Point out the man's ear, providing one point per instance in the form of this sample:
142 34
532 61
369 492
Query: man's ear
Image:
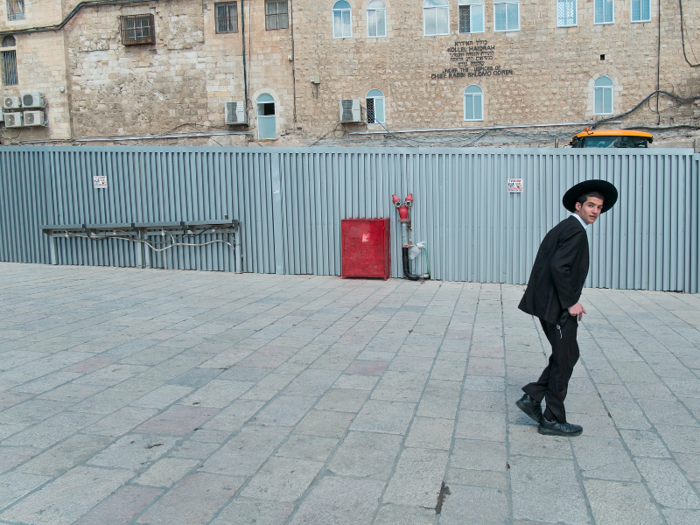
579 206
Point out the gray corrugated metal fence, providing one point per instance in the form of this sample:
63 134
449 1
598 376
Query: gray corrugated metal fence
290 202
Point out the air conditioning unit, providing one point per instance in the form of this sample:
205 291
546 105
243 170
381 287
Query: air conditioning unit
34 118
13 120
350 110
235 113
33 100
11 103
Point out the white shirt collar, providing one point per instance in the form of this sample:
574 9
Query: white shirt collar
583 223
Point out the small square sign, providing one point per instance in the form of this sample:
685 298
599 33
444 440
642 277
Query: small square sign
99 181
515 185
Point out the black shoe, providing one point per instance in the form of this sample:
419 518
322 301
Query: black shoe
554 428
531 407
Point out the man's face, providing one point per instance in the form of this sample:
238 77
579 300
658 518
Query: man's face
589 210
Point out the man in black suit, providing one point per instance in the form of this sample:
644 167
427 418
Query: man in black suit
553 294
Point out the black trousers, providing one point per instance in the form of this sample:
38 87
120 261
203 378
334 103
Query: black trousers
554 381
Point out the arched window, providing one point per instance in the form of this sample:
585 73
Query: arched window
473 103
342 20
436 17
267 127
8 62
376 19
603 95
375 107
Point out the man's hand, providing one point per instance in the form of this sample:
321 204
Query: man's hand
577 310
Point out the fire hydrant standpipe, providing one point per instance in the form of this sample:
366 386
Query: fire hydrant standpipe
403 209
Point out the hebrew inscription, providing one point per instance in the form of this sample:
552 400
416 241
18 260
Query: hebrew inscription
472 58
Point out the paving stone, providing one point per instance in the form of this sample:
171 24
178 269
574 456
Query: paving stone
217 393
244 453
366 454
628 415
384 416
177 420
194 450
269 387
603 458
342 400
324 423
270 356
340 501
52 430
547 490
243 511
312 382
84 486
681 517
282 479
311 448
430 433
644 443
477 478
481 425
73 451
667 483
31 412
478 455
234 416
356 382
284 411
122 507
526 441
615 503
487 506
418 478
196 499
133 451
680 439
15 485
166 471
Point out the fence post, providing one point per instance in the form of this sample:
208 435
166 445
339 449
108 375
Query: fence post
277 213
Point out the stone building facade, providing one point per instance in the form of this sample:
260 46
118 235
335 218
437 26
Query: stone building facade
450 69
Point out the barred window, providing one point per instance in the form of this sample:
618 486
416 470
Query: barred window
138 29
276 14
226 17
15 9
506 15
603 12
471 16
8 62
641 10
566 13
375 106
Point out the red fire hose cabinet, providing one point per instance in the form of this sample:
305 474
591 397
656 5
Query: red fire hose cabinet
366 248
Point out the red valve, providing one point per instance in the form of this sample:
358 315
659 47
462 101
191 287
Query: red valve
403 207
409 200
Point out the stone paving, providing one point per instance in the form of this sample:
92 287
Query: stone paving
169 397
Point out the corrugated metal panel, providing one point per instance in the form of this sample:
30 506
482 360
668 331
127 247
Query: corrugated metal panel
290 202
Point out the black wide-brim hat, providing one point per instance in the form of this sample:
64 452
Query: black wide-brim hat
608 190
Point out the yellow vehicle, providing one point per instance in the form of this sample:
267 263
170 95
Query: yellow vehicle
611 138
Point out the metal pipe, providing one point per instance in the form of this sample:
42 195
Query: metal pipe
245 69
135 137
406 268
481 128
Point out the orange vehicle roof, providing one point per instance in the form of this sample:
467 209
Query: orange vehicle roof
614 133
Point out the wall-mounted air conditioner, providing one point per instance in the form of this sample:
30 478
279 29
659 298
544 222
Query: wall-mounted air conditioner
11 103
34 118
235 113
13 120
350 110
33 100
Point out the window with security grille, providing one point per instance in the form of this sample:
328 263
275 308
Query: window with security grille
471 16
374 103
436 17
226 17
138 29
8 62
641 10
603 95
15 9
506 15
566 13
276 14
603 12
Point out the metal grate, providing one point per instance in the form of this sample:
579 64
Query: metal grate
370 111
276 14
227 17
9 68
347 110
15 9
138 29
465 19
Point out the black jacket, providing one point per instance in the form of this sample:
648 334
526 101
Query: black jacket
560 269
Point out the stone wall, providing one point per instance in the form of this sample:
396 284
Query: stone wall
97 87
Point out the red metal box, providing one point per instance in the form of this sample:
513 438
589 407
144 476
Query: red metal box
366 248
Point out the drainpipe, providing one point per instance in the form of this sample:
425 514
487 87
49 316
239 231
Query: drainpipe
245 72
403 209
